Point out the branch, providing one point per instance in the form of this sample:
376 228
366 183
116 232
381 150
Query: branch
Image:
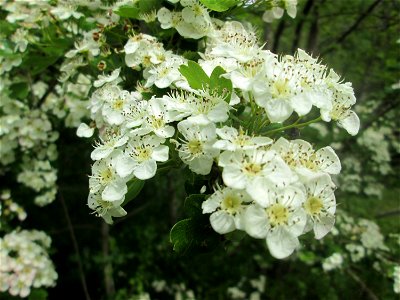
362 284
353 27
108 268
299 27
278 34
76 248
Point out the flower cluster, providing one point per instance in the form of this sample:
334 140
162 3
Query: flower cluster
25 263
272 188
10 209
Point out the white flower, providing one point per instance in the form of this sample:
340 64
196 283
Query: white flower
112 78
232 140
334 261
84 131
113 109
396 278
165 73
254 170
320 205
135 113
318 162
156 120
227 206
105 179
111 140
342 100
140 157
143 49
280 222
105 209
195 149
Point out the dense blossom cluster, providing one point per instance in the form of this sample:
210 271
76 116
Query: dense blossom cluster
274 189
25 263
224 117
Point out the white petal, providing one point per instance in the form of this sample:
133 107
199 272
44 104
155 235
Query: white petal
124 165
323 226
160 153
330 161
351 123
234 177
84 131
281 243
146 170
222 222
259 189
101 152
255 222
114 191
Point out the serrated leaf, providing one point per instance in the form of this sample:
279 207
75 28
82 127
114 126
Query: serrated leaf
219 5
221 84
193 204
195 75
128 11
134 187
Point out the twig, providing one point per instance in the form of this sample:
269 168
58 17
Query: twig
108 268
352 28
76 248
370 294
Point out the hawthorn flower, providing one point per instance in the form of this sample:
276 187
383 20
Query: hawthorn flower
165 73
231 139
105 209
195 149
226 206
84 130
112 139
112 78
113 109
254 170
342 100
322 161
140 157
143 49
156 119
320 205
278 8
135 113
280 222
105 179
233 40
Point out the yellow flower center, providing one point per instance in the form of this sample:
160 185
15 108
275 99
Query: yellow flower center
118 104
231 204
313 206
143 154
277 214
280 88
252 168
106 176
195 147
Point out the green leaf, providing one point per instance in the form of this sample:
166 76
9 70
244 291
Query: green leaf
193 235
195 75
128 11
38 294
182 236
221 84
134 187
193 204
219 5
146 6
37 63
19 90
